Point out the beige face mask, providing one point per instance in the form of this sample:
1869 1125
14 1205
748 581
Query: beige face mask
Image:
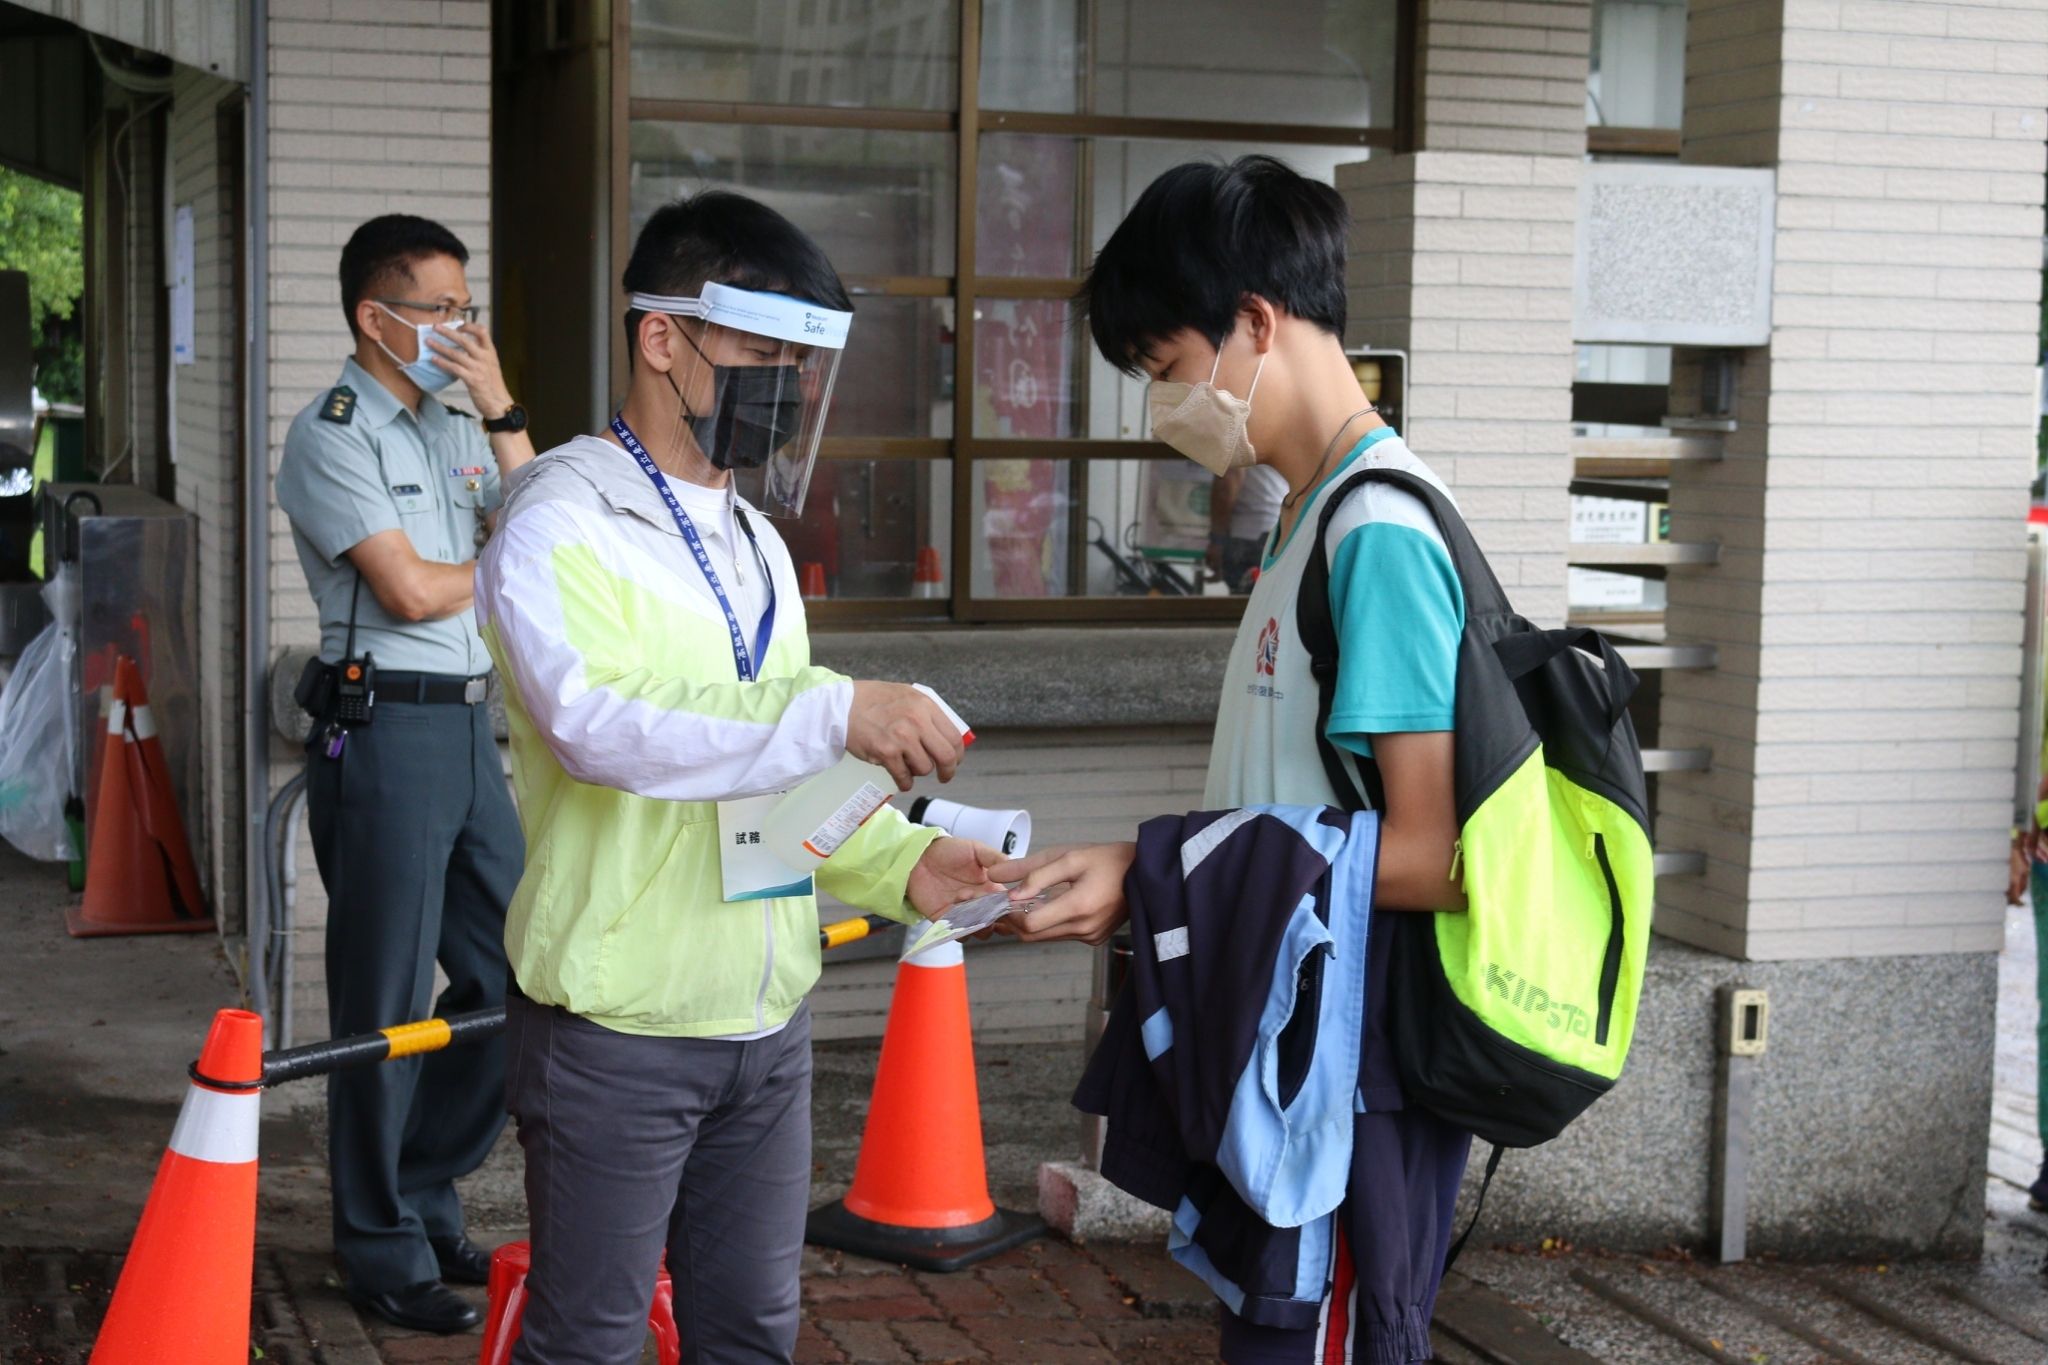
1203 422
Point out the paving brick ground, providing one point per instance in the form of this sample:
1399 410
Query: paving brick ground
1048 1303
94 1039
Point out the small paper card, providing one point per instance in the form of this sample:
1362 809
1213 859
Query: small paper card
749 871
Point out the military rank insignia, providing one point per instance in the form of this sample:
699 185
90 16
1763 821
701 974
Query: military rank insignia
340 405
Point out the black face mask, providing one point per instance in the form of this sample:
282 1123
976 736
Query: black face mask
754 412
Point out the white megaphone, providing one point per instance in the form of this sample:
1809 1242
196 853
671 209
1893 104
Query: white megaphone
1008 831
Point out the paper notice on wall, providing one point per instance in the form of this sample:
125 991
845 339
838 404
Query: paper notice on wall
183 351
1609 521
1592 588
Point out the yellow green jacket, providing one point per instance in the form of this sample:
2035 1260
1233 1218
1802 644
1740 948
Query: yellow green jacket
628 724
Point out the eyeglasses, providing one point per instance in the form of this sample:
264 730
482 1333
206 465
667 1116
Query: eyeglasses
443 312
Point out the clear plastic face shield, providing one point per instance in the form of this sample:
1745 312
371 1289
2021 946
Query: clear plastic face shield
754 375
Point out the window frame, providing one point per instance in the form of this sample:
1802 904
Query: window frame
966 123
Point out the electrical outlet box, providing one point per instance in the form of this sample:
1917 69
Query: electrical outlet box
1745 1021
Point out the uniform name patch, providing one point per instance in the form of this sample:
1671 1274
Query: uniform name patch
405 489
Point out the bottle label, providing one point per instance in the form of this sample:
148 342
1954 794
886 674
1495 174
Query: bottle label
851 815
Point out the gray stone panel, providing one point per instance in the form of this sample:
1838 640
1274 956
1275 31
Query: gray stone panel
1676 255
1049 678
1872 1121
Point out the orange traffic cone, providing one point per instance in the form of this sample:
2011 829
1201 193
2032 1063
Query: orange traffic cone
183 1295
139 877
920 1187
812 580
929 579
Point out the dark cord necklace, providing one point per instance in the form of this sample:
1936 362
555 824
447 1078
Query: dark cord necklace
1287 503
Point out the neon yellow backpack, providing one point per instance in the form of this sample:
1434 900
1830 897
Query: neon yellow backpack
1511 1018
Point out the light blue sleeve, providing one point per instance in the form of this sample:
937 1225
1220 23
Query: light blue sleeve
1399 612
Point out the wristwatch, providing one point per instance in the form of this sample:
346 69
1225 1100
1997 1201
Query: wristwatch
513 420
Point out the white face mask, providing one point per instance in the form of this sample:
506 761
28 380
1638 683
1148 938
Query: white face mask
1203 422
422 369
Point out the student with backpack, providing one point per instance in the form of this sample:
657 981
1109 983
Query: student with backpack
1355 662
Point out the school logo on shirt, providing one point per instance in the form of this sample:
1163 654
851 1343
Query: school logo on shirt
1268 652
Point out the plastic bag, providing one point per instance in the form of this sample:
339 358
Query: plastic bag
35 748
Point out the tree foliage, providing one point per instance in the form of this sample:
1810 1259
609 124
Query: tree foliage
42 232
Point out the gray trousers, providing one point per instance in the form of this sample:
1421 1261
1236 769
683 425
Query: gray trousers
636 1145
420 850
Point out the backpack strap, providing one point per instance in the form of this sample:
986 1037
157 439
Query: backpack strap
1483 593
1319 638
1478 1207
1522 654
1483 596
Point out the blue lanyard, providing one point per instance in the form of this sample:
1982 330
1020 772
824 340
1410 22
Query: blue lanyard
741 659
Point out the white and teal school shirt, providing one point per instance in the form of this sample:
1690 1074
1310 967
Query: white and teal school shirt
1399 613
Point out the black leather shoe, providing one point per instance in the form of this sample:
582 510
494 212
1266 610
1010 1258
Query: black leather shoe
428 1306
462 1261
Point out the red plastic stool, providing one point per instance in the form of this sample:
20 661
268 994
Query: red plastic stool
509 1264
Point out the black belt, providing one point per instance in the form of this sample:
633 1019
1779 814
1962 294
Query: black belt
431 689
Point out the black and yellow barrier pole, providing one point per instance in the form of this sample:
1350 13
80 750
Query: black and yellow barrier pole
386 1044
851 930
431 1035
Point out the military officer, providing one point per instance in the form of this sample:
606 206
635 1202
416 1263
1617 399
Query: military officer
390 493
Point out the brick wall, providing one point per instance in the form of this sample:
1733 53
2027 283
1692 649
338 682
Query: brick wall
1464 261
1871 507
1461 255
208 424
377 106
1505 77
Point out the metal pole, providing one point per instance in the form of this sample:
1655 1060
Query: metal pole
843 932
1744 1016
2031 664
280 883
256 493
388 1044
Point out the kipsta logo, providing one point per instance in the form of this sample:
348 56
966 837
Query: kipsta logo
1269 649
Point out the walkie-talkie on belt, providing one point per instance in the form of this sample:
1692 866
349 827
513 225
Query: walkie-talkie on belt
355 685
355 691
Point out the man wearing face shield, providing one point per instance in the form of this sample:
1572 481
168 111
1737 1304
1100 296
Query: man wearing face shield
648 620
390 491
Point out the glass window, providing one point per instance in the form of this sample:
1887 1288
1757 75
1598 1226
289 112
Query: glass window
1028 212
876 54
897 377
1637 75
1283 61
867 164
880 203
1045 205
1091 528
1025 357
868 524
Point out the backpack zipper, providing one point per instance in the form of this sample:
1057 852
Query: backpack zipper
1457 859
1610 964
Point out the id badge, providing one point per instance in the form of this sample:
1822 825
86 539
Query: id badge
748 870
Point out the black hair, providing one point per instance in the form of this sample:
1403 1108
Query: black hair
1201 239
386 247
716 236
